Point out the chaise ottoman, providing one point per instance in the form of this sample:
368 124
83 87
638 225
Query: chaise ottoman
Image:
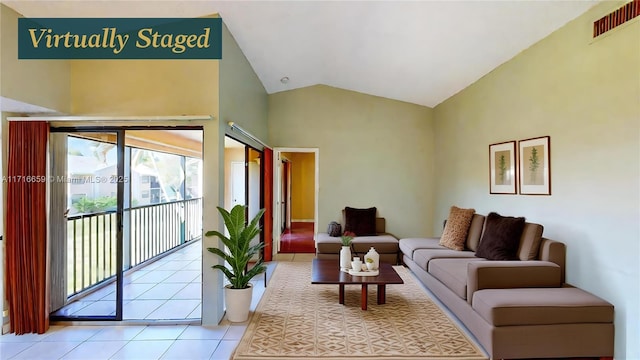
547 322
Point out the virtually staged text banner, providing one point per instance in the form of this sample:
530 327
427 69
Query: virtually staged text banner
119 38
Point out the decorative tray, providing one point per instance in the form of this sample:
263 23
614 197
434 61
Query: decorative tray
362 273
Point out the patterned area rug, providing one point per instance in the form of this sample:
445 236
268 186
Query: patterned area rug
296 319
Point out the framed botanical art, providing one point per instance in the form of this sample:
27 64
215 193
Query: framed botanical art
535 166
502 168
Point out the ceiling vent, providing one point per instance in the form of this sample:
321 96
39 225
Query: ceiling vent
616 18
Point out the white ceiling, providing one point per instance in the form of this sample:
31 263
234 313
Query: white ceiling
420 52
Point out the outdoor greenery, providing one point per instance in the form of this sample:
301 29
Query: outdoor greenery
238 244
101 204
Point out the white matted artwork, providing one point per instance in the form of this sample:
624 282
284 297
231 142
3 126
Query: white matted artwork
535 166
502 168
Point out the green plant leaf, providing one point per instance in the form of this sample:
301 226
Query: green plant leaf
239 250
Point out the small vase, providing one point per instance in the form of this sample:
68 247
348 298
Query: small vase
356 264
345 257
370 266
373 255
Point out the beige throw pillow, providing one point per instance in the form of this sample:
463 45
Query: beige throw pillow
457 228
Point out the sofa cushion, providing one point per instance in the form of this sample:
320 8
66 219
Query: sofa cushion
541 306
452 273
361 222
409 245
501 237
326 244
423 256
383 244
380 225
456 228
475 232
530 241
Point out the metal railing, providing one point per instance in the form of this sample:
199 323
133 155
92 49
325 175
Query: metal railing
153 230
91 250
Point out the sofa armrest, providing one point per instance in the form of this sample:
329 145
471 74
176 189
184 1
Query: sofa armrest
511 274
554 251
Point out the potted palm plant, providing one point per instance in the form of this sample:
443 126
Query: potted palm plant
239 252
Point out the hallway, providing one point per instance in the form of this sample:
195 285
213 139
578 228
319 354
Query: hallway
298 239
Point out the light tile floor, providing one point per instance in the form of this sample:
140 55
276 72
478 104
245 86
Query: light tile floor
135 342
167 289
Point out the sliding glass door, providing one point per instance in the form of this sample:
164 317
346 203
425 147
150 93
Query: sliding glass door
87 201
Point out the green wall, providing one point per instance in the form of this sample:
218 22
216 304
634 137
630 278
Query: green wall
243 99
585 95
372 152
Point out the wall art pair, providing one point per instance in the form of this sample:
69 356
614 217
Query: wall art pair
532 161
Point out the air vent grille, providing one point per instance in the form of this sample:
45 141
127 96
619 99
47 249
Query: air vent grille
616 18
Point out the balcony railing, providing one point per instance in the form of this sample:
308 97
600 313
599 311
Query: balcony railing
152 231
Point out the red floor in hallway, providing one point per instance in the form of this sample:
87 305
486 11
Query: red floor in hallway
298 239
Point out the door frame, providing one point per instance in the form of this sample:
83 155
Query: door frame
277 190
121 208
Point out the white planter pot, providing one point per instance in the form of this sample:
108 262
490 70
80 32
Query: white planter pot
238 302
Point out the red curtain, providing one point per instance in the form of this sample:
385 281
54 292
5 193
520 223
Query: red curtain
268 204
26 233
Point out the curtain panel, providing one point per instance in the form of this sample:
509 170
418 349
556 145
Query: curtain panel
268 203
26 227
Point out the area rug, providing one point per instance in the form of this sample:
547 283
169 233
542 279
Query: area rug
296 319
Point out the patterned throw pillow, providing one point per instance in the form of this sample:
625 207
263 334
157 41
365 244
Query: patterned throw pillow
457 228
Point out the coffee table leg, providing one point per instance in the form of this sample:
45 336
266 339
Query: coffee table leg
363 297
341 293
382 294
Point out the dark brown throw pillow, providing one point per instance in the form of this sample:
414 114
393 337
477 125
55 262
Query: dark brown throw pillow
362 222
501 237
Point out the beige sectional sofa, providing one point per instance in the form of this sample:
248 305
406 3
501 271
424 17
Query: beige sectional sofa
516 309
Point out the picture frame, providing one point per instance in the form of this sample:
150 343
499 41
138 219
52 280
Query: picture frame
534 169
502 168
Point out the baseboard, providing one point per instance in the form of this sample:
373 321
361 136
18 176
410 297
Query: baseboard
303 220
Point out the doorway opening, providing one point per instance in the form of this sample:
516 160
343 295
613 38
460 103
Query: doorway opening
126 224
296 199
245 176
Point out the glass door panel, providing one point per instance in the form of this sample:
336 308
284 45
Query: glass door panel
87 183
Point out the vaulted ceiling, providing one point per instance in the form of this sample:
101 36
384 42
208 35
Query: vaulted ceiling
420 52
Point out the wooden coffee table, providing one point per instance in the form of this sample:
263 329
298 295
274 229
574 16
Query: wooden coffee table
328 272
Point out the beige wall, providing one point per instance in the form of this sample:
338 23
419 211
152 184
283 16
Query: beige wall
372 152
144 87
37 82
303 167
586 97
